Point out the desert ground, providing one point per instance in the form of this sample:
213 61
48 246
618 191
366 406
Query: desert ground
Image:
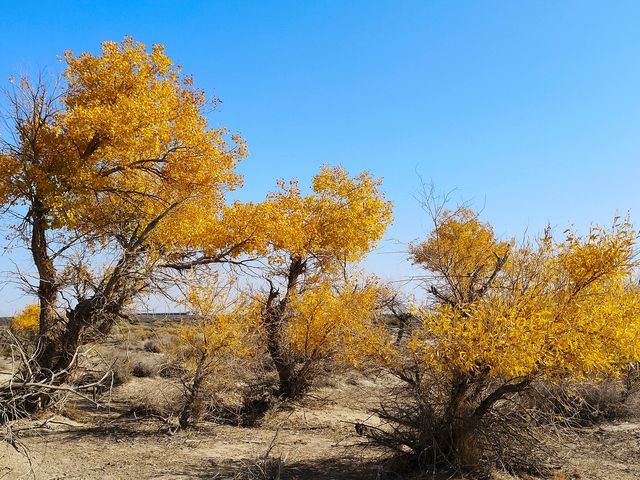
130 435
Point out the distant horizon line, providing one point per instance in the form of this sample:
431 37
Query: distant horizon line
5 318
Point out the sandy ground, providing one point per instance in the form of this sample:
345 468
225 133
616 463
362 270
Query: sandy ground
6 367
315 440
610 451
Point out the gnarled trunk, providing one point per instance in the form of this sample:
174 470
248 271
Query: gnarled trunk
290 385
48 290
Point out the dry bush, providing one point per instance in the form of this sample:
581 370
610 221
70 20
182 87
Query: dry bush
125 364
28 384
171 370
236 403
152 346
160 403
217 409
160 342
156 398
257 400
579 404
100 391
121 370
145 367
420 434
228 395
240 393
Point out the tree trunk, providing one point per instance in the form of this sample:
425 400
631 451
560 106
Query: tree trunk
56 350
48 290
290 386
458 426
464 414
59 340
47 285
192 399
285 367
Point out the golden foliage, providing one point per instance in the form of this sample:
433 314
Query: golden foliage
307 242
570 307
27 320
340 220
127 142
220 328
310 240
462 250
337 321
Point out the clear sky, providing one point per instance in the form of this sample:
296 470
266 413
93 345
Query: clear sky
530 109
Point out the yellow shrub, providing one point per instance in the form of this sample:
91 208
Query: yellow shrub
219 329
332 321
569 307
28 319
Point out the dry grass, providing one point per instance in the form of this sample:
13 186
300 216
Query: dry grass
145 367
153 346
582 404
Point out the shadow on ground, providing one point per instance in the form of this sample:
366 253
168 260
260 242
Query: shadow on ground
321 469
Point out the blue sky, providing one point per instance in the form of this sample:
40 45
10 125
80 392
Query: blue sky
530 109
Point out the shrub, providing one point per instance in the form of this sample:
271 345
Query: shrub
27 320
121 370
257 399
501 316
145 367
579 404
171 370
417 429
159 399
207 349
152 346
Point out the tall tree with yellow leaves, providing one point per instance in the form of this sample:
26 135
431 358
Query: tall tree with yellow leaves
116 160
314 308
